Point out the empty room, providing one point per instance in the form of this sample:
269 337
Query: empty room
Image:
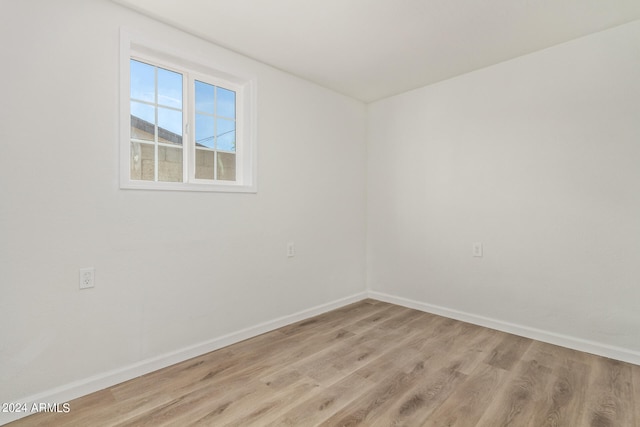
305 212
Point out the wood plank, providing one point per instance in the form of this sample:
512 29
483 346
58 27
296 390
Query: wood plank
322 403
468 402
508 352
264 407
635 375
422 399
402 393
609 402
517 403
565 389
368 406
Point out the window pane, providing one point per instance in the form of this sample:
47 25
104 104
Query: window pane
204 131
144 111
204 97
169 126
226 166
170 164
142 78
226 130
142 161
226 103
204 164
142 121
169 88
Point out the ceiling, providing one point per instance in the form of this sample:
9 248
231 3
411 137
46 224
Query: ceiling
371 49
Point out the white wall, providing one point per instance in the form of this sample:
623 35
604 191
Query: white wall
173 269
538 158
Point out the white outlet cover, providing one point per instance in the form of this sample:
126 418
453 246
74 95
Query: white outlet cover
87 277
477 249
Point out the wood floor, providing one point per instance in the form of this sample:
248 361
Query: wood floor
372 364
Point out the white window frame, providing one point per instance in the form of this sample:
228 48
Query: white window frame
142 49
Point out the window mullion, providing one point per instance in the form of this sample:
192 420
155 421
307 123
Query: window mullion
186 131
215 134
190 126
156 164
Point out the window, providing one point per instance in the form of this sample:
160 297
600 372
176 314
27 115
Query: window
215 132
186 126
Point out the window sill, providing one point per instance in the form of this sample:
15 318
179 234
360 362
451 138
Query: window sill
184 186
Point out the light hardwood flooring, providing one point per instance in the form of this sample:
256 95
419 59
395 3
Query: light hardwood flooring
372 364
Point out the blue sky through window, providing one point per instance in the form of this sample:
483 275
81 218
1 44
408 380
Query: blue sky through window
162 107
156 97
215 117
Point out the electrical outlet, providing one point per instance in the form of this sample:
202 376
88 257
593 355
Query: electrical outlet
87 277
477 249
291 249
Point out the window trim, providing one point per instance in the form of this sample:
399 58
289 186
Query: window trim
136 46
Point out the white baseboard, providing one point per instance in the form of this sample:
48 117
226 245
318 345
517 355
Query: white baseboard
600 349
80 388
